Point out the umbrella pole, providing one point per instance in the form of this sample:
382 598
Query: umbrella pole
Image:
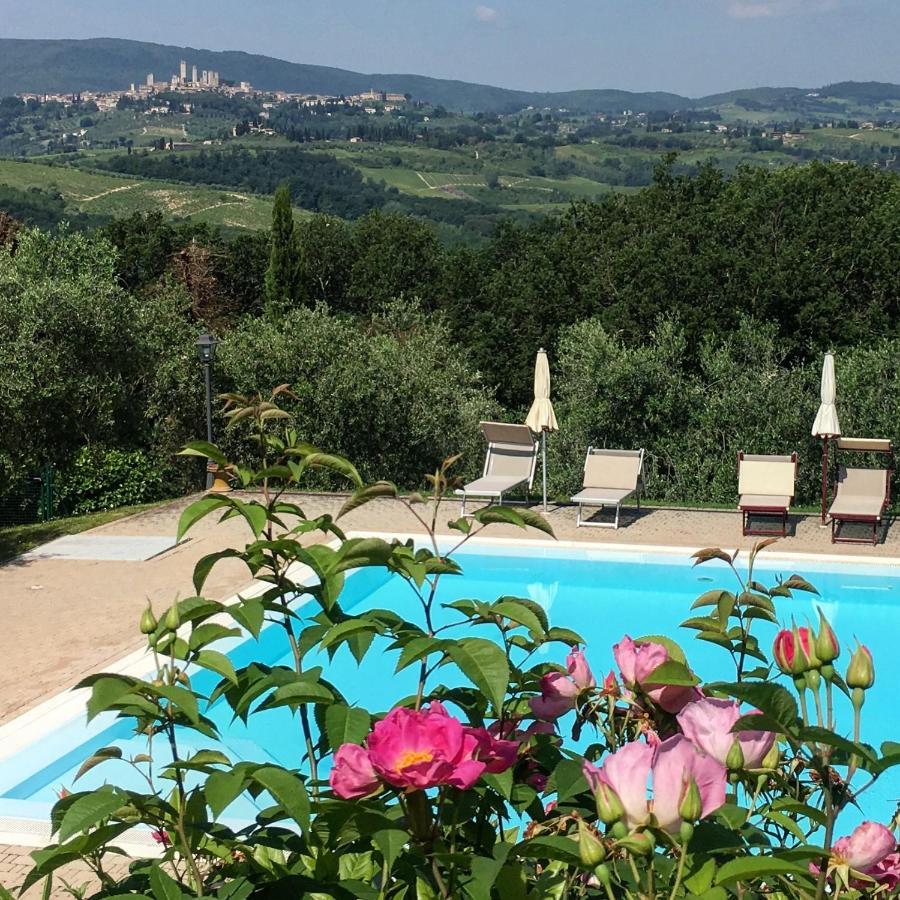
824 476
544 464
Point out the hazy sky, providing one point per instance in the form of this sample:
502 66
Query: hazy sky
687 46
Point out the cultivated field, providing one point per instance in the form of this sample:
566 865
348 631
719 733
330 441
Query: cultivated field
117 196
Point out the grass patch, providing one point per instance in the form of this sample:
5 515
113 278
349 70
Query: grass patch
18 539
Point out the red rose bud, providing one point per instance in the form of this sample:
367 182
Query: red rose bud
861 671
783 651
827 647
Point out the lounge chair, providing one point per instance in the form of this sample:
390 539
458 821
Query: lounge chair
766 488
861 495
610 478
509 463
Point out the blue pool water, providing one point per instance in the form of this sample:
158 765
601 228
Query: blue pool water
600 596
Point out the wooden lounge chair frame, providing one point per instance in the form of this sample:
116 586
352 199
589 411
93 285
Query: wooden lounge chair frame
766 486
509 463
860 477
610 478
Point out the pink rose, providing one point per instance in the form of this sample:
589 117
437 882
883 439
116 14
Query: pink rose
352 775
578 668
707 723
497 755
670 767
868 845
558 693
678 763
637 662
417 749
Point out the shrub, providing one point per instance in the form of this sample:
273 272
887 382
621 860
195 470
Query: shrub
106 478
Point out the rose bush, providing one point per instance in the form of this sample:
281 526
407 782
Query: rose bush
505 774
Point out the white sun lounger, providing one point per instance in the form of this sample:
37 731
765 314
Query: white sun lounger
861 495
766 488
610 478
509 463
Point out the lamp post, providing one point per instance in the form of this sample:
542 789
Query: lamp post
206 349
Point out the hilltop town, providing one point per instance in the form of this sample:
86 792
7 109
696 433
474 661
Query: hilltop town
190 79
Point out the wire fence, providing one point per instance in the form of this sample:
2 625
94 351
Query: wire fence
29 500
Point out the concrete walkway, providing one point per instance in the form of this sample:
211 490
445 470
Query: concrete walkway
66 618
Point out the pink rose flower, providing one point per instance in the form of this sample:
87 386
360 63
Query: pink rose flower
352 775
579 670
636 662
497 755
669 767
417 749
868 845
707 723
558 693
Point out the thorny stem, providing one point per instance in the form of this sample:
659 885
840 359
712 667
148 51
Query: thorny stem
829 831
679 874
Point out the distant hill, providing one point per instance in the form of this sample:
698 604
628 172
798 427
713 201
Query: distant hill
111 63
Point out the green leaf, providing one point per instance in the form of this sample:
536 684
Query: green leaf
749 868
675 651
198 510
699 880
346 724
390 841
106 692
567 780
796 583
550 846
222 788
770 698
485 665
365 494
164 887
343 630
288 790
101 755
181 699
519 613
250 614
87 810
672 672
205 565
506 515
217 662
824 736
712 598
206 450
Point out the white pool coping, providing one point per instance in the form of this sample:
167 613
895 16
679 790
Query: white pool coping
67 706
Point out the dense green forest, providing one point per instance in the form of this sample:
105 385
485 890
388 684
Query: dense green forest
689 318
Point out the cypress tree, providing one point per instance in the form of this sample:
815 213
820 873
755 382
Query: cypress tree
282 276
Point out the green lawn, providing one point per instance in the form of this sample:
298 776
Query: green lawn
18 539
114 195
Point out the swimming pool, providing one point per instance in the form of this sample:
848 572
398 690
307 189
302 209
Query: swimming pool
600 593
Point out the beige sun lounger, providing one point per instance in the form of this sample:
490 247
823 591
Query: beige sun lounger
861 495
509 463
610 478
766 488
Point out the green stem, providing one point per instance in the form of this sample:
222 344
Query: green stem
829 831
679 874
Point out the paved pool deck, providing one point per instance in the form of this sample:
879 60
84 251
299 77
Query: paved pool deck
66 618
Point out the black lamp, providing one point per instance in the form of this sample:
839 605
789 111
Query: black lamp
206 350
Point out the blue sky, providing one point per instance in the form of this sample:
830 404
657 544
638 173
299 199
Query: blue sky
688 46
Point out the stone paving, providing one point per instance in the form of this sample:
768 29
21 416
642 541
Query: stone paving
64 619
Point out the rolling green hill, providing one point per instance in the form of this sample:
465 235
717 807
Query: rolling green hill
116 196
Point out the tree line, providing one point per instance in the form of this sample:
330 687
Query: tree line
689 318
